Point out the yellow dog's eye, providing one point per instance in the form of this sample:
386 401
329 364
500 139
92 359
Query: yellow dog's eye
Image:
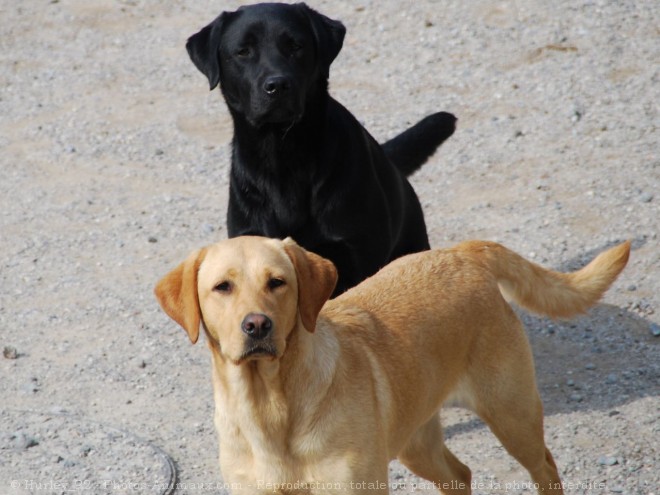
274 283
223 287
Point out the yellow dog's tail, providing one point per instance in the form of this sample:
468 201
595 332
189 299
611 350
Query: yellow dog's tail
559 295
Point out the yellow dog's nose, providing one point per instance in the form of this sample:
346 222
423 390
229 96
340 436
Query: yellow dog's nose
256 326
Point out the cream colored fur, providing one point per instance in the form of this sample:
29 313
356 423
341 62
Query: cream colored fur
339 388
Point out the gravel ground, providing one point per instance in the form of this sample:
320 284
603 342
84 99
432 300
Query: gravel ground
114 166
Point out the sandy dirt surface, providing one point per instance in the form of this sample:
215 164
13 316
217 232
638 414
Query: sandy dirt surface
114 165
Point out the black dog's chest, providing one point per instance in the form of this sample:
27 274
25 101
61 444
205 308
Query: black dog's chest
273 205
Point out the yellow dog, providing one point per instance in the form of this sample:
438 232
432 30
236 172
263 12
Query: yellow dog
317 396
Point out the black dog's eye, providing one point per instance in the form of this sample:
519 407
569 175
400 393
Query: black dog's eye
295 49
274 283
291 47
223 287
244 52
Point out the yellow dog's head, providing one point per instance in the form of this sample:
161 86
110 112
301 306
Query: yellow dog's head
249 293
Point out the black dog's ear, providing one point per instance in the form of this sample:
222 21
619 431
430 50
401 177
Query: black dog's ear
203 49
329 35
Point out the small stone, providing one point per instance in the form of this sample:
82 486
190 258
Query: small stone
576 397
646 197
655 329
10 352
590 366
22 441
570 382
31 387
632 287
607 461
611 378
85 450
152 239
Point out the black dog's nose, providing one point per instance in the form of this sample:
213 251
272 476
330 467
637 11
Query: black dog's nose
274 85
256 325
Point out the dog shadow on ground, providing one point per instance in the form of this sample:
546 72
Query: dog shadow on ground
596 362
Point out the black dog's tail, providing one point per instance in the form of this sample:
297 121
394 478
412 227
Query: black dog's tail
410 149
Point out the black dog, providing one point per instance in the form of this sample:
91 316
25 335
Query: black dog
302 165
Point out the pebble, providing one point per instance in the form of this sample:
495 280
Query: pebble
85 450
611 378
10 352
576 397
607 460
22 441
646 197
655 329
31 387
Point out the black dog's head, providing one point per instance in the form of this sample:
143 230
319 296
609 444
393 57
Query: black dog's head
268 58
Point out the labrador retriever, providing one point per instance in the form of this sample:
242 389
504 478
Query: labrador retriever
302 165
317 396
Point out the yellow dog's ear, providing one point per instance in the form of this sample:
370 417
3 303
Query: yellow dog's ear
177 294
317 278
